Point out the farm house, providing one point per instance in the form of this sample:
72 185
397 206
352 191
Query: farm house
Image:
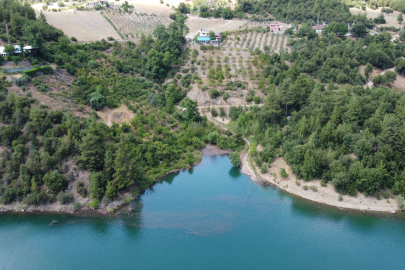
318 28
275 27
17 50
203 32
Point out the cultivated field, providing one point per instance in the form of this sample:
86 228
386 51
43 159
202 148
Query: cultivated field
242 77
134 24
252 40
390 18
83 25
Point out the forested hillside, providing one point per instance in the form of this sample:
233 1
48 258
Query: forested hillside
339 131
43 150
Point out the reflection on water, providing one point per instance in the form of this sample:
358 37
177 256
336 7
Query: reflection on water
203 218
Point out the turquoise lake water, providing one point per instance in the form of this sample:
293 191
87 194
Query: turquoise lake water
211 217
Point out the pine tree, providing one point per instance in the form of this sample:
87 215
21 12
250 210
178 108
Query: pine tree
272 106
93 149
126 165
400 18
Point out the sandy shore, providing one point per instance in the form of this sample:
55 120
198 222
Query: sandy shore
325 195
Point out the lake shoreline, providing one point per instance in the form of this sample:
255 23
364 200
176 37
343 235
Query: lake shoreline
315 192
119 205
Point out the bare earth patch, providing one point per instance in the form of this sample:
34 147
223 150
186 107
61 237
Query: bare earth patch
119 115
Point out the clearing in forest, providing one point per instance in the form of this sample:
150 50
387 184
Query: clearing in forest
390 18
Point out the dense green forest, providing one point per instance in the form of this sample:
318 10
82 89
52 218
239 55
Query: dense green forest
337 130
23 26
299 10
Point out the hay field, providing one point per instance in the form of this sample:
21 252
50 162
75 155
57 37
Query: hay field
83 25
390 18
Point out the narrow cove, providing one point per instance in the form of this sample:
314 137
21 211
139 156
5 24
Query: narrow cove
209 217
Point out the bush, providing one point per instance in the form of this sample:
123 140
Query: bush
305 187
81 189
283 173
213 93
94 203
263 168
214 112
225 96
256 99
235 159
73 39
33 72
55 181
65 197
22 81
213 137
77 205
110 39
37 198
401 203
128 199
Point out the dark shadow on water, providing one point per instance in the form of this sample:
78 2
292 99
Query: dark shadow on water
235 172
169 179
190 171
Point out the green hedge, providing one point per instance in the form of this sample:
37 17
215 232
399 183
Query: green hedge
33 72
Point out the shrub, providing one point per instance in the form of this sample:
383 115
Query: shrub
225 96
283 173
213 137
214 112
73 39
77 205
263 168
37 198
81 189
256 99
22 81
55 182
305 187
213 93
110 39
65 197
401 203
94 203
314 189
235 159
33 72
128 199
